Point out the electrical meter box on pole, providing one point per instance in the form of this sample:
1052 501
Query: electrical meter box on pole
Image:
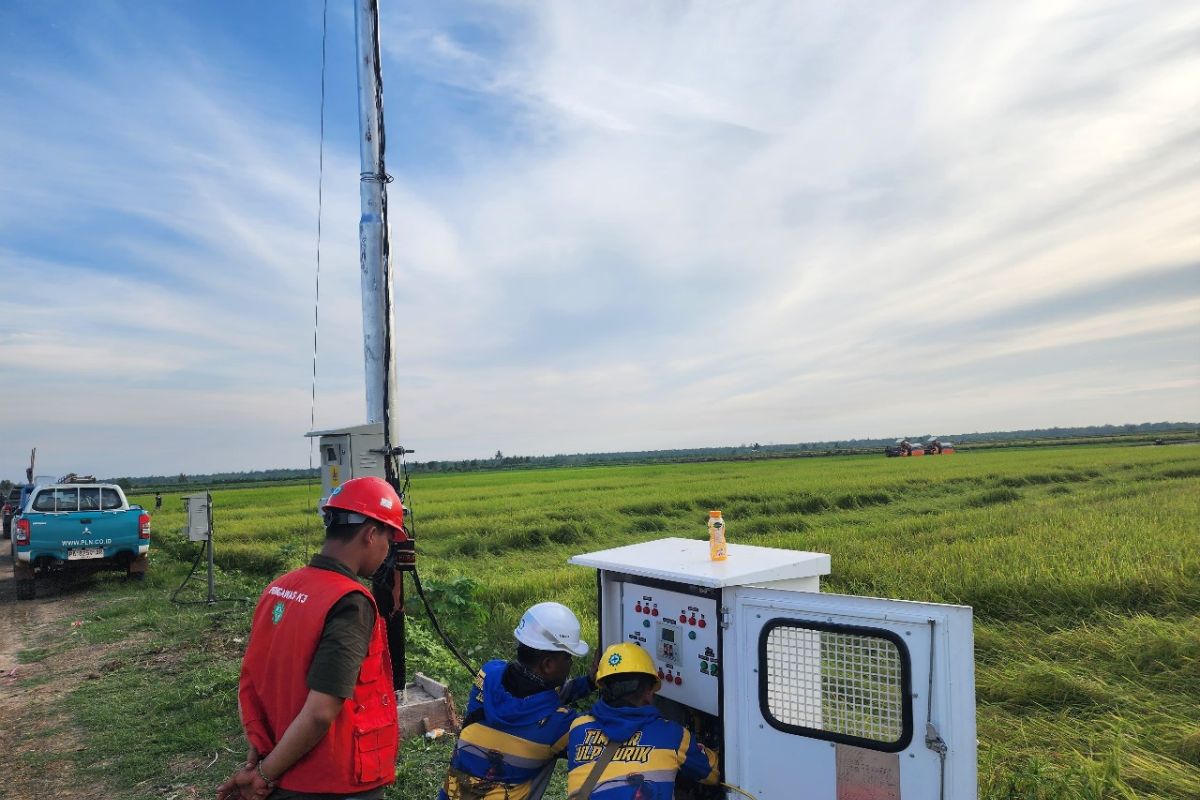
848 697
200 529
199 517
352 452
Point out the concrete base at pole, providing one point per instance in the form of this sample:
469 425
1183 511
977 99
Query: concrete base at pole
426 706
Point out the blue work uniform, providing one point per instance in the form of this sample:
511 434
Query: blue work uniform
500 756
644 768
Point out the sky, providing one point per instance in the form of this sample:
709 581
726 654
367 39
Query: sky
616 225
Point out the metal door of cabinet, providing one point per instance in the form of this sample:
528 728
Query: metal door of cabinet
836 697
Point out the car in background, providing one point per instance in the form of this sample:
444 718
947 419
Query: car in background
10 508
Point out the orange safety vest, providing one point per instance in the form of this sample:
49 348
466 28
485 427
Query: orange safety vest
359 750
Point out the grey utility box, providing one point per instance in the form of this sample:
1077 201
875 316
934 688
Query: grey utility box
199 516
351 452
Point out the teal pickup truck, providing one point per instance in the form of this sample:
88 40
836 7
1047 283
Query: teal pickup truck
74 529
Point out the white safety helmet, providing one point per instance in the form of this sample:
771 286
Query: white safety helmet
551 626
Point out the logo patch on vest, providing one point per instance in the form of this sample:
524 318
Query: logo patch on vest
277 612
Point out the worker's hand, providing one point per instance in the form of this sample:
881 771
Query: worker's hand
245 784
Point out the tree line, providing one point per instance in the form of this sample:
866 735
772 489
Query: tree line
751 450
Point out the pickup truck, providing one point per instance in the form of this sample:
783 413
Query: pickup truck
75 529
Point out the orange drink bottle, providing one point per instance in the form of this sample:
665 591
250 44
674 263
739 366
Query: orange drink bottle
717 551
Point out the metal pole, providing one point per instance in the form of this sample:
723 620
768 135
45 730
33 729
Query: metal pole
375 277
212 589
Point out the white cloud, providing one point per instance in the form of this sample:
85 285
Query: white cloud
659 226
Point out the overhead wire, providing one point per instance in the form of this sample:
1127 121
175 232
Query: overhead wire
312 412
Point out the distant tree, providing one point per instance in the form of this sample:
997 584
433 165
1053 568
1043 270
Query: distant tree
125 483
182 478
499 455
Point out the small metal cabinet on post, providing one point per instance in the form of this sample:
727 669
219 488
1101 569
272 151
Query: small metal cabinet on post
352 452
849 697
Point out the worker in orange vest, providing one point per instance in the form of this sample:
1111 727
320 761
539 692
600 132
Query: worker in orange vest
316 695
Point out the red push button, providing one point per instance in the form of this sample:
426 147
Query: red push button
683 618
692 621
678 680
654 611
702 623
638 607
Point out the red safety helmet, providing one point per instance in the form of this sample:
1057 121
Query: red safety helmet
368 497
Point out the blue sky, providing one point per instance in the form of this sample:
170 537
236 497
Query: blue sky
617 225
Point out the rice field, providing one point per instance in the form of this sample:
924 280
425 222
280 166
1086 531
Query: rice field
1082 565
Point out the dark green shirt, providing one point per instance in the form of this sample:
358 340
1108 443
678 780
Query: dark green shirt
344 640
338 659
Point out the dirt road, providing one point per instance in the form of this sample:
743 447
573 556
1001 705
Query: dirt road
36 737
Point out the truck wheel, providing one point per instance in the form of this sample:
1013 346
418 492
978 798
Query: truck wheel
26 589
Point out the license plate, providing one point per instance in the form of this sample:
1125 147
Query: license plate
80 553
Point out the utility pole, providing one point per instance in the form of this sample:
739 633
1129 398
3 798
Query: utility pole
375 265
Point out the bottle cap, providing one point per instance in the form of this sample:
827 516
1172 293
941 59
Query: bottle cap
714 513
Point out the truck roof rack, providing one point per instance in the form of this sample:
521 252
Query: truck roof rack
71 477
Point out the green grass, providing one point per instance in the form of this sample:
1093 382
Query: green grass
1082 565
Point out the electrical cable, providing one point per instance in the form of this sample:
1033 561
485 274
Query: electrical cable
312 413
739 790
203 549
191 572
437 627
412 526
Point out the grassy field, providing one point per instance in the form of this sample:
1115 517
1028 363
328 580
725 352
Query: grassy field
1082 565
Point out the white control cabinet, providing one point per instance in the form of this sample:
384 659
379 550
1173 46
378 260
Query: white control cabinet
858 697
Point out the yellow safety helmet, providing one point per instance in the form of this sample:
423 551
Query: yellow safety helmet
626 658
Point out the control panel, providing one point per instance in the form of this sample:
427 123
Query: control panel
680 631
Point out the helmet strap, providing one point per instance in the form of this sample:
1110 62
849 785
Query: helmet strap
335 517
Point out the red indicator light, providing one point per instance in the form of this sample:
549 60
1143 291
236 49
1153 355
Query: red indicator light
678 680
702 623
683 618
692 621
638 608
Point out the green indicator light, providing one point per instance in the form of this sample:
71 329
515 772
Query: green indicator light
691 634
645 623
704 666
712 670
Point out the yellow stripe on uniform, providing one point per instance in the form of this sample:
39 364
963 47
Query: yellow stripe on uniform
627 761
684 743
491 739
